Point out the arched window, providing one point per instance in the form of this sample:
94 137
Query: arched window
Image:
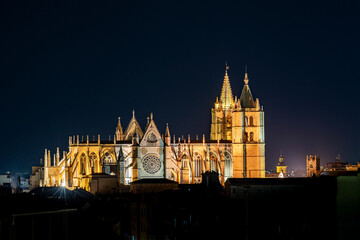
198 168
251 121
246 136
94 162
251 136
185 162
83 164
246 121
213 162
228 165
108 160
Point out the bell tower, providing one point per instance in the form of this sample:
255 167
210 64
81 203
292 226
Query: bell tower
312 165
248 136
221 114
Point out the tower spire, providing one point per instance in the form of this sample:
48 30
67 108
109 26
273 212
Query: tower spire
246 79
246 98
226 96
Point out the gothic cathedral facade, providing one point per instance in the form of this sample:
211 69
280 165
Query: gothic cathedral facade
236 149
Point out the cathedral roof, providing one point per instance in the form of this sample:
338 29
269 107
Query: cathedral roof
226 96
246 98
133 128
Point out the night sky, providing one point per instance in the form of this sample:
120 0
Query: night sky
73 67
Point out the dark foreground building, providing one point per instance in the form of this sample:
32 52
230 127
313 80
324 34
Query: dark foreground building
288 208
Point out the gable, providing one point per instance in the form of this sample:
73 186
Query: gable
132 129
152 136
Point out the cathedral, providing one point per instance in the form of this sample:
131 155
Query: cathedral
236 149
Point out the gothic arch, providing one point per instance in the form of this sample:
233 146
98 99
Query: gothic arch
185 161
94 162
82 161
251 137
214 159
107 157
228 164
198 165
251 122
246 137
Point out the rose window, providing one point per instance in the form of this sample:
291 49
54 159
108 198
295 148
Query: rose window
151 164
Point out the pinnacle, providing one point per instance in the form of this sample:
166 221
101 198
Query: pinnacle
226 96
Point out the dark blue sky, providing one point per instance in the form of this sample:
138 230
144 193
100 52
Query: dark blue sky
73 67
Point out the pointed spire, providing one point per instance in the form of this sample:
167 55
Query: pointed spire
133 113
246 98
119 131
57 156
257 104
119 125
151 116
167 132
46 158
226 68
49 159
226 97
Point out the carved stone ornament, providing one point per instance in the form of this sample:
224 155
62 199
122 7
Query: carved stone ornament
151 163
151 138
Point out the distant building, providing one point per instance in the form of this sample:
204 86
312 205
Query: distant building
24 184
336 168
10 181
36 177
312 165
281 167
338 165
